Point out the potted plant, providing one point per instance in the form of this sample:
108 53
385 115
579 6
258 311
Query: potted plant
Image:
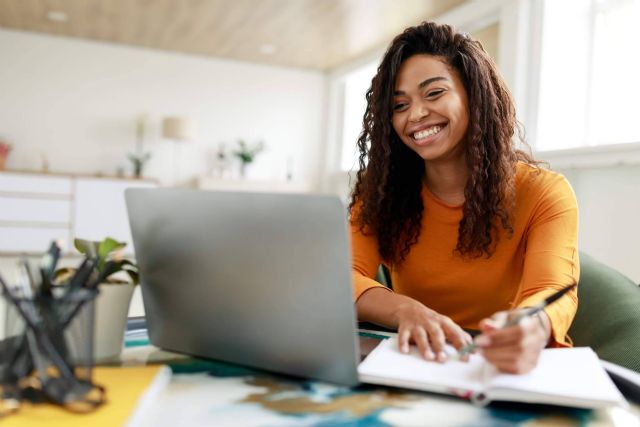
247 155
118 277
139 158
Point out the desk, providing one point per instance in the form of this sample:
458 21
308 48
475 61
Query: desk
213 393
208 393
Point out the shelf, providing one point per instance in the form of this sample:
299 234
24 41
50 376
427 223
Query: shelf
258 186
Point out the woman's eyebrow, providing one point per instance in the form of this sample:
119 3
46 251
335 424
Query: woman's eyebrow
429 81
422 84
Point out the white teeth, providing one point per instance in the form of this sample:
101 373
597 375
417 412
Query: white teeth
427 132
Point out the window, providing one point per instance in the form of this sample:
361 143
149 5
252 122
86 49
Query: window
615 88
355 84
589 88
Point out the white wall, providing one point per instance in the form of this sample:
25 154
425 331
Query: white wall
609 206
76 102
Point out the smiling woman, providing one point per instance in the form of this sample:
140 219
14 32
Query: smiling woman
470 227
430 115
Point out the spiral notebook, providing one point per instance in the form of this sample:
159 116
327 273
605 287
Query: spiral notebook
564 376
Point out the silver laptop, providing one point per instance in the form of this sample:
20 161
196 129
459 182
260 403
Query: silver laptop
262 280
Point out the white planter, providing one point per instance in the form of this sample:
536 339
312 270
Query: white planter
111 311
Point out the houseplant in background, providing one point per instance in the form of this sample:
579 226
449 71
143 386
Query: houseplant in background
118 277
139 158
247 154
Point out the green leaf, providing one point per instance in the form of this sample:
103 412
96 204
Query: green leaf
109 245
128 265
63 275
109 268
135 277
103 252
86 247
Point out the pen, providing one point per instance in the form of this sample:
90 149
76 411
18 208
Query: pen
47 267
526 312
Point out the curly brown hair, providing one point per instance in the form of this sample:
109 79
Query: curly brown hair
387 193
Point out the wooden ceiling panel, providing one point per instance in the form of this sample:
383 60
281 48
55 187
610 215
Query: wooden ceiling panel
315 34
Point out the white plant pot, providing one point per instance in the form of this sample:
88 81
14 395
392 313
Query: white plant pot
111 311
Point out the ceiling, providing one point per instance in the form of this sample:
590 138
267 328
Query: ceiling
312 34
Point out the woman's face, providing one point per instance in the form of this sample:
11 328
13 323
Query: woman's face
430 109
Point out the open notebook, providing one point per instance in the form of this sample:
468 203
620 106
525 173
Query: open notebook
567 377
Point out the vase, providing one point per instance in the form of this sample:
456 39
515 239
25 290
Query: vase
138 163
111 312
243 169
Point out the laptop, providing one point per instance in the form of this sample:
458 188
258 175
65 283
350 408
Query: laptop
262 280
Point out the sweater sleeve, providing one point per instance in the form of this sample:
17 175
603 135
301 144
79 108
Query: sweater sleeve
365 259
551 256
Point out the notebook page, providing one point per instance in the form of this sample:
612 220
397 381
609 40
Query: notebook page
574 373
386 363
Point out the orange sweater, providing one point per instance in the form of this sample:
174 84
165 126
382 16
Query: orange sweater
540 258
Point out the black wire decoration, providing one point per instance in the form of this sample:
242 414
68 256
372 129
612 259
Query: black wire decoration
47 353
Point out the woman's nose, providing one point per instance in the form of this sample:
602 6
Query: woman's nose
418 112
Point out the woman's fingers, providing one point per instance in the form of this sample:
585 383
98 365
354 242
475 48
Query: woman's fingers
418 336
455 334
421 339
513 359
432 339
514 349
508 336
494 322
437 340
428 330
404 335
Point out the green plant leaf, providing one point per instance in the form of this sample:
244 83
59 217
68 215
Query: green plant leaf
135 277
63 275
107 265
110 268
132 270
109 245
86 247
128 265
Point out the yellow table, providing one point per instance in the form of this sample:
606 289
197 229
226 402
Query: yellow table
125 386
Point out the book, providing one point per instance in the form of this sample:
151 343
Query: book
129 390
564 376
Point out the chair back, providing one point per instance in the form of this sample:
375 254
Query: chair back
608 317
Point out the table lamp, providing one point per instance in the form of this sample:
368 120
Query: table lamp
179 129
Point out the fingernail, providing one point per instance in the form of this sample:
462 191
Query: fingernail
405 348
442 356
482 340
429 355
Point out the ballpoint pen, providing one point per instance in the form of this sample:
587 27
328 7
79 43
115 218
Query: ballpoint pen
525 312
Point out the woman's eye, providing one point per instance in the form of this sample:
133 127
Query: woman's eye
398 107
435 93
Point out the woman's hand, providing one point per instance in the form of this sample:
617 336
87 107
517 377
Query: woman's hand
514 349
427 329
415 323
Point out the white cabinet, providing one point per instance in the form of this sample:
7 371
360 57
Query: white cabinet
38 208
34 210
100 210
36 184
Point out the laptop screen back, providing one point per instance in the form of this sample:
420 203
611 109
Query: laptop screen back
262 280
